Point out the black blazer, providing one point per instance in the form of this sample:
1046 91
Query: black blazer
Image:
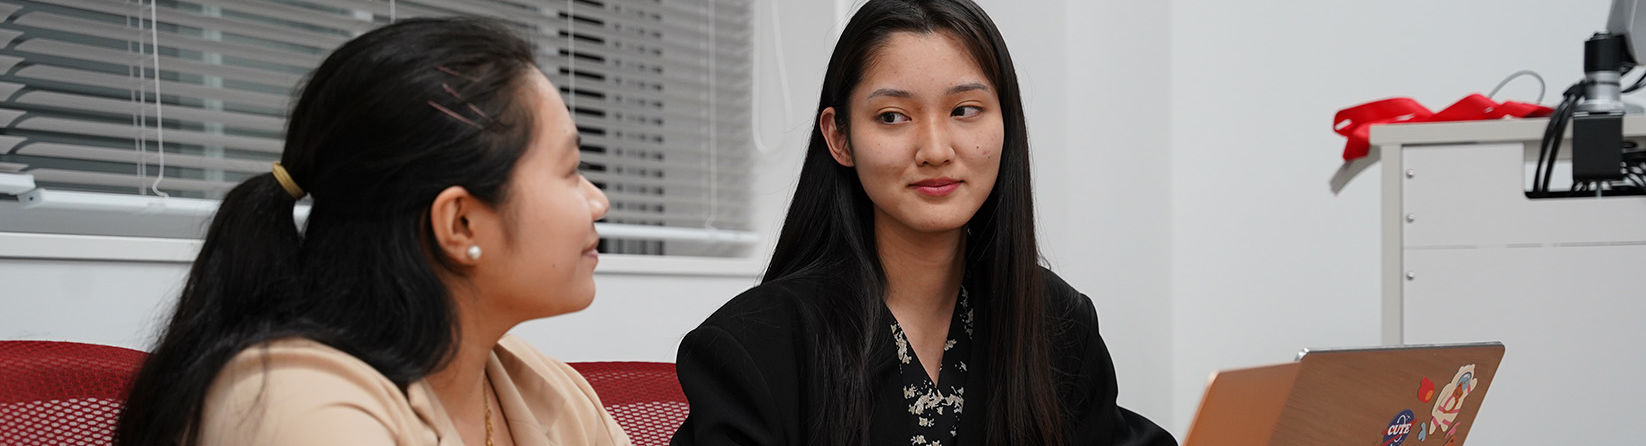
745 373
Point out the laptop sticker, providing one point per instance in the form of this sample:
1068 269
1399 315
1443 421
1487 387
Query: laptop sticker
1398 428
1426 390
1449 401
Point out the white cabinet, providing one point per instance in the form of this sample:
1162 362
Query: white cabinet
1562 282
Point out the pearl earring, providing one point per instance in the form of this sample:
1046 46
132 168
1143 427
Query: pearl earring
474 252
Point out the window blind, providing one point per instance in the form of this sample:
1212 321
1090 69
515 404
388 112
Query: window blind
177 101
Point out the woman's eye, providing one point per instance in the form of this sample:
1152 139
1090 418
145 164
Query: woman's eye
891 118
966 111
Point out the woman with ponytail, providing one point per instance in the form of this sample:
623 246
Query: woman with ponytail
905 302
447 208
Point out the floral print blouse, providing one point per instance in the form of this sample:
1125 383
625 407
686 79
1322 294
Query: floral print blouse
934 408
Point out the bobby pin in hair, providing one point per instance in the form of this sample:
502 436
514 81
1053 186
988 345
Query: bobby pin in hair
452 72
453 114
459 97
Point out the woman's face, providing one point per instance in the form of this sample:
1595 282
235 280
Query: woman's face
543 263
924 132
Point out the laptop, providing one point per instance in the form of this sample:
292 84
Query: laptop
1422 395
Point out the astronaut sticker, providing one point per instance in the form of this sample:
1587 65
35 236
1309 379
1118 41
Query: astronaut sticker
1449 401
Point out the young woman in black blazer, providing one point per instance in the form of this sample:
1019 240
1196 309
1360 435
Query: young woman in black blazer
905 303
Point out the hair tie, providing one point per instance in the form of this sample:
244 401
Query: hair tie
286 182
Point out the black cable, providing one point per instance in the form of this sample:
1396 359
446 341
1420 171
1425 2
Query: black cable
1560 134
1543 146
1572 96
1639 82
1552 134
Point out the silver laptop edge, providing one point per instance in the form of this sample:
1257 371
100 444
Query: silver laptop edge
1307 351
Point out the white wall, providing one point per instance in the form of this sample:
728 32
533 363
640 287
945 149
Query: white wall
1265 260
1115 243
113 303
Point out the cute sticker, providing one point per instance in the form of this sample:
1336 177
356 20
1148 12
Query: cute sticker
1398 429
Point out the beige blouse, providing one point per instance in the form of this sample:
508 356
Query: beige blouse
302 392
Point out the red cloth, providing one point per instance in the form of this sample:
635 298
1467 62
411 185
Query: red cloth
1356 122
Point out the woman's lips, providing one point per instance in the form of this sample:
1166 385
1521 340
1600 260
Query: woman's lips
936 187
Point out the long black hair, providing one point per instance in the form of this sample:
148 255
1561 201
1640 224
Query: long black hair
387 121
829 232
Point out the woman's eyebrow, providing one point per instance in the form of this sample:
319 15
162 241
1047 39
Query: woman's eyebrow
891 92
962 88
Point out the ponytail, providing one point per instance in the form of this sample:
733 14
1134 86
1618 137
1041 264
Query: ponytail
242 271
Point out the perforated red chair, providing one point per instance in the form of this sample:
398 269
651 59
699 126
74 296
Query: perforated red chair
63 393
66 393
644 397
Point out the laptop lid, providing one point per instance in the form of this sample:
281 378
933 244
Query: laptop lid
1424 394
1389 396
1242 406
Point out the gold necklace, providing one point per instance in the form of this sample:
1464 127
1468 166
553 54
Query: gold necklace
487 400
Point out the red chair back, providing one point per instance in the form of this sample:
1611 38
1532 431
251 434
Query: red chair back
72 393
644 397
63 392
